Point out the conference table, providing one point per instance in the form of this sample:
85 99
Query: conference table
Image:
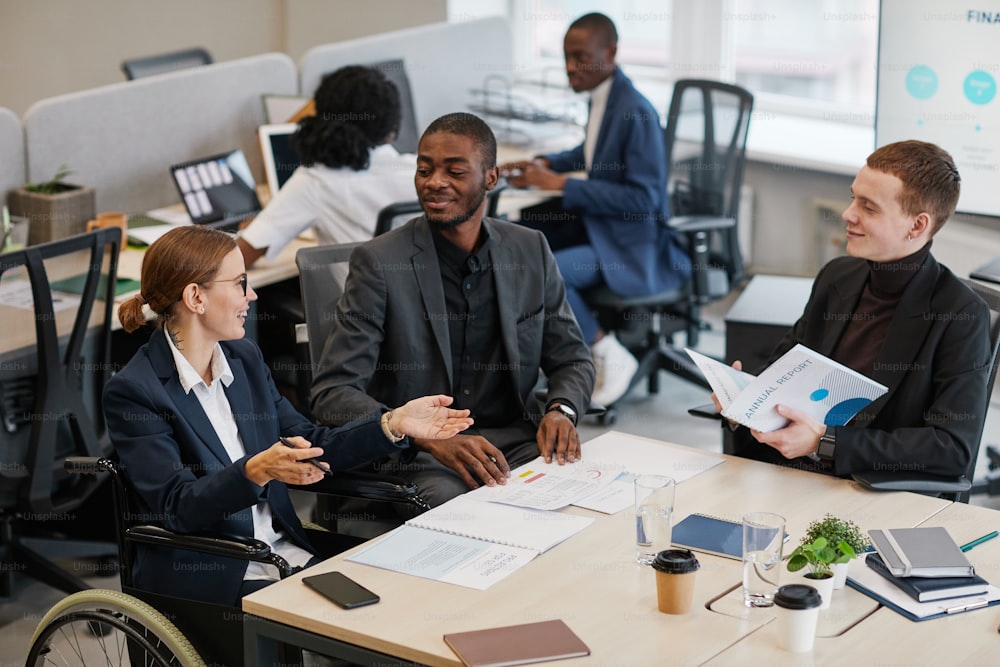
591 582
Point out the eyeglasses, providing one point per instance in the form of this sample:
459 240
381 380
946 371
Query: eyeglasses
241 281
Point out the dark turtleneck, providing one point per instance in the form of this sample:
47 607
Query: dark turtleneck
864 336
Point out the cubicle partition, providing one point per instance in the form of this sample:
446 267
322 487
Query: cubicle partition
122 138
11 152
443 61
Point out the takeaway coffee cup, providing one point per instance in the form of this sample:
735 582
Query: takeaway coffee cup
797 613
675 571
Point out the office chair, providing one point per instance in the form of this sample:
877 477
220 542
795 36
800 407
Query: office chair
322 274
958 490
398 213
705 139
56 304
137 68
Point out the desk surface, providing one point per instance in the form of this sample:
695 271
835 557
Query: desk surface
592 583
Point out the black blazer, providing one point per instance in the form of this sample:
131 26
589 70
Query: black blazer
183 478
935 362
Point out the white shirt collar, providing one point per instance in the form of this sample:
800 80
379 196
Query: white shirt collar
189 377
600 93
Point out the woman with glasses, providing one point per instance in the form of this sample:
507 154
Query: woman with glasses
205 439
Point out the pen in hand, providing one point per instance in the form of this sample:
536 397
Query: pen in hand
315 462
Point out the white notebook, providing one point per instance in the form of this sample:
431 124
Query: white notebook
537 530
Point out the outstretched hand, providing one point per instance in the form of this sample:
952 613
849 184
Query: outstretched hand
430 417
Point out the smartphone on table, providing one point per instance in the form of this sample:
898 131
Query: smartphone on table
342 590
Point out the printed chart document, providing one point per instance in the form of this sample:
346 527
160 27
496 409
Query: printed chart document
470 542
637 455
550 486
801 378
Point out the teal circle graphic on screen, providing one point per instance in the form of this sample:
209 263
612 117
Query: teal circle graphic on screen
980 87
921 82
819 394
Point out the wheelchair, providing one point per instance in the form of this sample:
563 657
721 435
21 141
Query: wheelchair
137 627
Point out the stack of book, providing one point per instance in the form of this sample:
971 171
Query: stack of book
925 563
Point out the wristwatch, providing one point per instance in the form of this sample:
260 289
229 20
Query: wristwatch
563 408
827 445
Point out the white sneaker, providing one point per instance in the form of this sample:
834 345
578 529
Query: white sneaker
615 367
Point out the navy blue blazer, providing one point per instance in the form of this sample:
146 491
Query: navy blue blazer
623 201
183 478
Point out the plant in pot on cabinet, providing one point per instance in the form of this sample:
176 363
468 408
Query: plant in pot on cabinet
837 530
819 555
54 208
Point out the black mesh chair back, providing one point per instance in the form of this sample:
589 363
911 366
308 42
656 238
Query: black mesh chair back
56 304
705 138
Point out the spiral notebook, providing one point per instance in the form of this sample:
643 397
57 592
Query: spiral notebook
709 534
538 530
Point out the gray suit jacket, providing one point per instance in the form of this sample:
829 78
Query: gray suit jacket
390 342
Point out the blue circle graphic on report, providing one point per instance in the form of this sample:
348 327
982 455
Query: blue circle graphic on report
921 82
819 394
980 87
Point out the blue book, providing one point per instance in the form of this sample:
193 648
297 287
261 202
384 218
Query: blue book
709 534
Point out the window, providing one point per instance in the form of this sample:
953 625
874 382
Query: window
823 51
798 56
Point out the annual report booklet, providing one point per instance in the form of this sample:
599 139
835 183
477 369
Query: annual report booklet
517 644
921 552
470 542
800 378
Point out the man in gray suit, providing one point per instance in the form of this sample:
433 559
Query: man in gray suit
463 305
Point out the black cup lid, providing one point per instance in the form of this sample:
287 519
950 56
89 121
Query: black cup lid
797 596
676 561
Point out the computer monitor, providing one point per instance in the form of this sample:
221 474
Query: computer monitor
279 158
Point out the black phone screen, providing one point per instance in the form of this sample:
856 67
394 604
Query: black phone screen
345 592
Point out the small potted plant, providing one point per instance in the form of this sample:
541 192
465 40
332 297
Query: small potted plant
837 530
819 555
54 208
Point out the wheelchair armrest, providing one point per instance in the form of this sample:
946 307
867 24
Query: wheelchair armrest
366 486
916 482
699 223
86 465
230 546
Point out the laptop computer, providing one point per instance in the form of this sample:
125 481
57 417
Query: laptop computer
279 158
218 190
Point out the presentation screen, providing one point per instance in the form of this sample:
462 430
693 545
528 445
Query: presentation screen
938 67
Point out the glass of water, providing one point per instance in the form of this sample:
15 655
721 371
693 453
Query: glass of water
654 511
763 537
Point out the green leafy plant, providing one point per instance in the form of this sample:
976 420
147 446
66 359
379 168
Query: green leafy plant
819 555
54 184
837 530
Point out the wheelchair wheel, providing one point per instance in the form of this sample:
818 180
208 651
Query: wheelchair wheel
104 627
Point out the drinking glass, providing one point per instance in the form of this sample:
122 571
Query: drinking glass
654 510
763 537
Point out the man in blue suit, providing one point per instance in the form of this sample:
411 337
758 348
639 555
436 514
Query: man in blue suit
612 231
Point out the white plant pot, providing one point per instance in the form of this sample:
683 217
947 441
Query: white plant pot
824 587
840 574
